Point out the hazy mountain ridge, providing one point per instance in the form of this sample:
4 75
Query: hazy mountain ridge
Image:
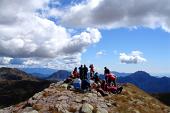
147 82
39 72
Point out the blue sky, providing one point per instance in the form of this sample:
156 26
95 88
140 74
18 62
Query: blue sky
154 44
125 36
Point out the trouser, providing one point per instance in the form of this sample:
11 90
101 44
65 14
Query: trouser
112 81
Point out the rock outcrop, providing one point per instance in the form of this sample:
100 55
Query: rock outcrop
57 99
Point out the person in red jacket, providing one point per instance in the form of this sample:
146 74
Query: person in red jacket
111 78
91 71
75 73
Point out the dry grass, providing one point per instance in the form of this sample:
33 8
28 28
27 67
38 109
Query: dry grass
37 107
132 100
72 109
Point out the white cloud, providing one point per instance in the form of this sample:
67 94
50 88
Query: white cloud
31 39
100 53
31 62
116 14
5 60
134 57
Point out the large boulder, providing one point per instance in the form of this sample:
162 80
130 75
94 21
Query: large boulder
86 108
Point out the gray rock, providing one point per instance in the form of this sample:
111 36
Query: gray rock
63 98
87 108
27 109
101 110
108 104
33 111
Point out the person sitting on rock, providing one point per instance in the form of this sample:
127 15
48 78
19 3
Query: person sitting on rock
77 83
96 78
98 88
85 85
115 90
104 85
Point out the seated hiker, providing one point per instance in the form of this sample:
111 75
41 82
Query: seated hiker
115 90
77 83
111 79
96 78
85 85
104 85
68 80
98 88
75 73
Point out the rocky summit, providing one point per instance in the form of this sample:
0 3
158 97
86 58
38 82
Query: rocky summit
57 99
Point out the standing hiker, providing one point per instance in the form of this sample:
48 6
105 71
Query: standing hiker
85 70
111 79
81 72
91 71
106 71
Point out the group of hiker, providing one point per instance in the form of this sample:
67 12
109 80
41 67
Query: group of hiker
81 80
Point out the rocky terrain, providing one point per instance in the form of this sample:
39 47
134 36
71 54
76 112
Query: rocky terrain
57 99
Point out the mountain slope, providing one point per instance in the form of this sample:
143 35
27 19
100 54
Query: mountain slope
14 74
17 86
147 82
120 74
57 99
59 75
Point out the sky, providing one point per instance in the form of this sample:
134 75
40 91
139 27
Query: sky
125 36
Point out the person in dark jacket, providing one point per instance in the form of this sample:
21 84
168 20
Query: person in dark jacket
96 78
81 72
106 71
85 71
85 85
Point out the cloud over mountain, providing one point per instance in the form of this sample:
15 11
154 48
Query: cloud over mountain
116 14
26 37
134 57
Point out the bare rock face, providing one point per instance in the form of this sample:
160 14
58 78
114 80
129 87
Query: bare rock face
57 99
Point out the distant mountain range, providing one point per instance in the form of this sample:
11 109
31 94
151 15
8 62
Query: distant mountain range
39 72
147 82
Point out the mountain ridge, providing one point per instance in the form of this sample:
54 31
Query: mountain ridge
15 74
57 99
